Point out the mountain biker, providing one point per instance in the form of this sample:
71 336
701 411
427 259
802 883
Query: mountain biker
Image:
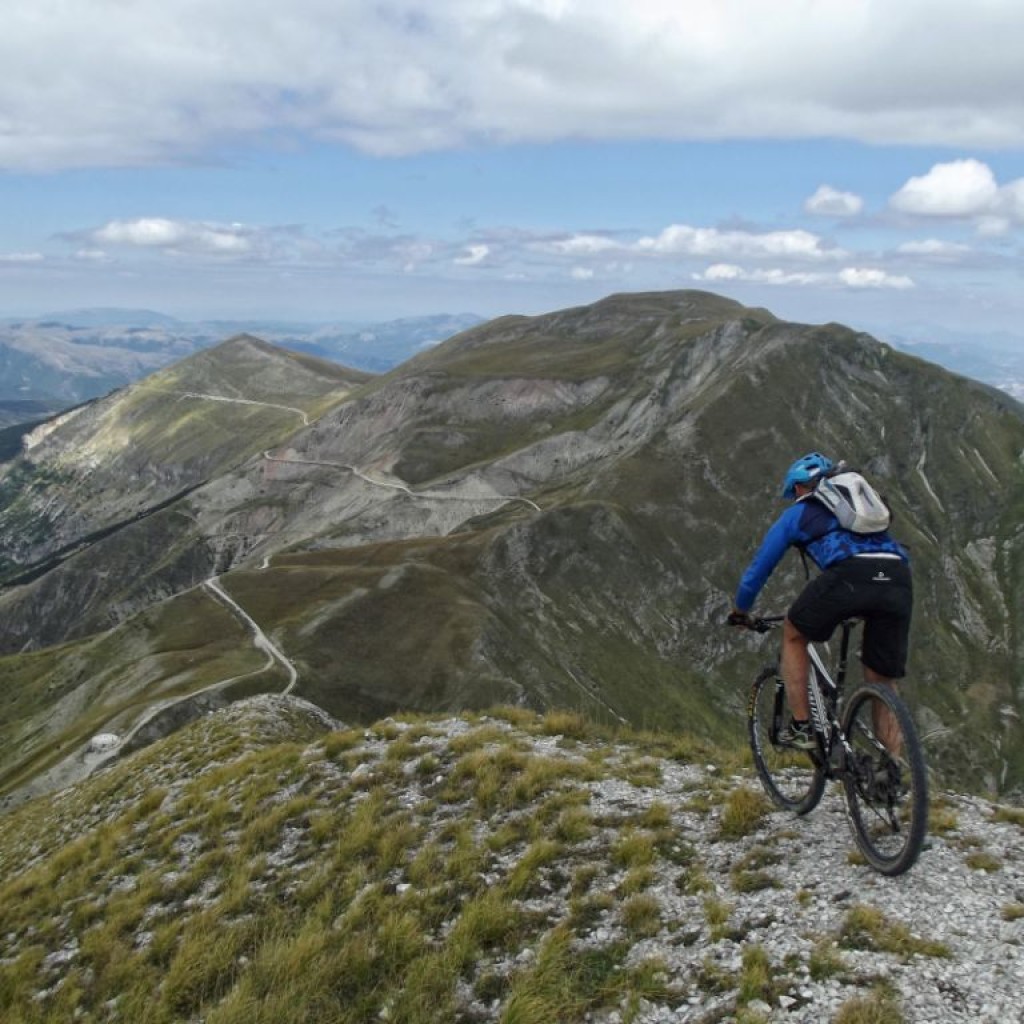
861 575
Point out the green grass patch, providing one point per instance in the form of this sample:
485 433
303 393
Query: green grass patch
758 981
633 849
880 1006
868 928
825 961
565 983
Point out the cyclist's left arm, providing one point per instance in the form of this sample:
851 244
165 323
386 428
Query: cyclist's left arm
784 532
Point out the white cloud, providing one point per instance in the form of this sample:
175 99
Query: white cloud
849 277
966 190
186 236
992 227
962 188
155 82
581 273
474 254
580 245
686 240
830 202
721 272
21 257
870 277
934 248
93 256
731 272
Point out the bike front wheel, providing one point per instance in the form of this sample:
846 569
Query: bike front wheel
885 781
789 776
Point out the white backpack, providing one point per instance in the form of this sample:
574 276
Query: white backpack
853 501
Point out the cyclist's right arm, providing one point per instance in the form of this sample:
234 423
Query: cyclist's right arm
784 532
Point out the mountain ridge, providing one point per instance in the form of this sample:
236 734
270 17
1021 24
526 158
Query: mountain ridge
554 510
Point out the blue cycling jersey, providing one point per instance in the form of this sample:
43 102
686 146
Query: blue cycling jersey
811 526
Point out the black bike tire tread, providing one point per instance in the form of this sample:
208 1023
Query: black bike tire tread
816 789
914 756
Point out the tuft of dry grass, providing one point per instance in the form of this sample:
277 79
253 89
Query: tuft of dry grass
744 812
1013 815
641 916
880 1006
1013 911
868 928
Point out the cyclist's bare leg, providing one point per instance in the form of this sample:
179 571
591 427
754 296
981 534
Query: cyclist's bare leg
795 664
885 724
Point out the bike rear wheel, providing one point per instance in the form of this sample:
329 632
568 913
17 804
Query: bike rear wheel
885 780
789 776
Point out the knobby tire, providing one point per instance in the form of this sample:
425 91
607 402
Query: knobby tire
886 794
790 777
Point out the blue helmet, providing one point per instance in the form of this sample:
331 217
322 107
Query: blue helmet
804 471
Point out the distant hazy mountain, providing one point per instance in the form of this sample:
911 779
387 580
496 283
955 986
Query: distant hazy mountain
109 317
68 357
996 358
550 511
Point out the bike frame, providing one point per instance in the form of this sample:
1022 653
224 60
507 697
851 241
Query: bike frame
825 704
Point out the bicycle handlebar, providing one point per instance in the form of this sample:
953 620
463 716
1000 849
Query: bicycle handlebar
761 624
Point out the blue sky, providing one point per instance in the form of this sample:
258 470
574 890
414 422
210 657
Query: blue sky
846 160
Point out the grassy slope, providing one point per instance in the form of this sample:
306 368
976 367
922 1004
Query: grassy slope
52 701
146 443
259 867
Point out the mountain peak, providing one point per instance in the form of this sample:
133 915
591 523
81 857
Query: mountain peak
555 510
249 367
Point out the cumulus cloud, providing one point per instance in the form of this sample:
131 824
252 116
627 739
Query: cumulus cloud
962 188
830 202
691 241
151 82
871 277
185 236
719 272
580 245
849 277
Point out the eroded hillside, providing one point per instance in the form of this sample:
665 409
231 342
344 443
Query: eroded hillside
553 511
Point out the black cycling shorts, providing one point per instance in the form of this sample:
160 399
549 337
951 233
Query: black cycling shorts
880 590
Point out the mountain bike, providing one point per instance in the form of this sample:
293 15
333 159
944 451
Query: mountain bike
866 741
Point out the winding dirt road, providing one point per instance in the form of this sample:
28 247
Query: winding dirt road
260 639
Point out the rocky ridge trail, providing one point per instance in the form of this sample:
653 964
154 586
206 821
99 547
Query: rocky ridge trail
635 858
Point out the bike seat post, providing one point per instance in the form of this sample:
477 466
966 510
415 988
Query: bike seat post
848 627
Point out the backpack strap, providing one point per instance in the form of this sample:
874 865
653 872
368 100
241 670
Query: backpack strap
803 558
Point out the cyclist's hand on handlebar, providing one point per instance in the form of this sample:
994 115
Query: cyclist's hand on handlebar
742 619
